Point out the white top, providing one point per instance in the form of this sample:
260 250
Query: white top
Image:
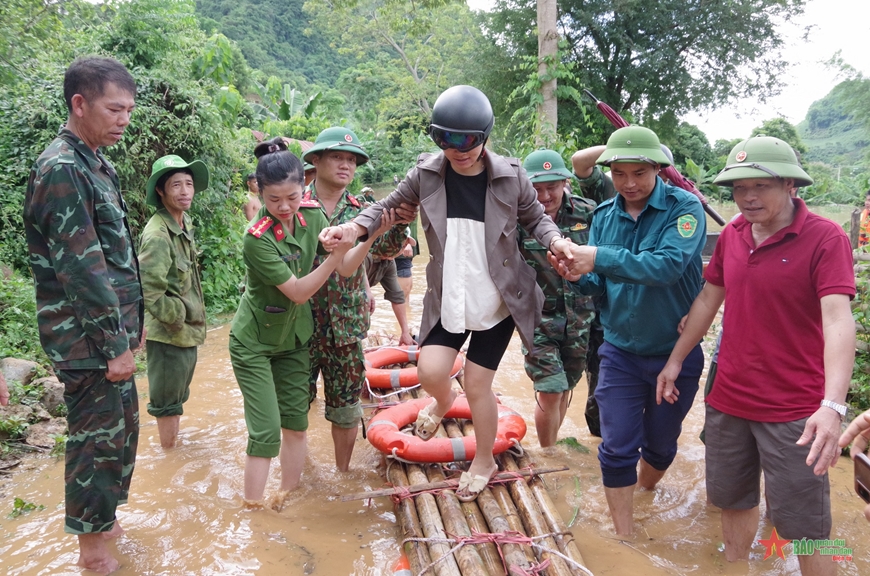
470 299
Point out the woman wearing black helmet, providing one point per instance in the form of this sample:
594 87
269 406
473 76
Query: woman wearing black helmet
470 203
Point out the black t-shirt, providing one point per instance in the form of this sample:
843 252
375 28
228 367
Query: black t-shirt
466 195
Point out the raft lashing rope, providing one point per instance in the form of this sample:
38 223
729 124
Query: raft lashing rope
512 528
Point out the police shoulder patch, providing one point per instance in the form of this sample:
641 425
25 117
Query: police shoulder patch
260 227
353 201
309 203
686 225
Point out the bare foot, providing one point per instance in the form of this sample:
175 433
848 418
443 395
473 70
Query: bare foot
114 532
94 555
278 500
252 504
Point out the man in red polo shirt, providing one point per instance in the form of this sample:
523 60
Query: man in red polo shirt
786 358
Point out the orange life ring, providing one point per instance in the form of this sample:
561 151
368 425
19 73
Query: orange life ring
384 432
393 379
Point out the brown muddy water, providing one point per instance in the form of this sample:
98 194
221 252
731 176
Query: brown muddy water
185 515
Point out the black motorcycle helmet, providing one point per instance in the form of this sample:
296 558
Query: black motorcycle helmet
461 118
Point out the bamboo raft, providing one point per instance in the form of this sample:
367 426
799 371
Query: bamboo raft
511 529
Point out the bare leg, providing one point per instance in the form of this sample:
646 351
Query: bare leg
433 369
294 445
94 554
817 565
549 414
114 532
484 415
648 476
343 439
621 501
256 474
167 427
407 284
738 532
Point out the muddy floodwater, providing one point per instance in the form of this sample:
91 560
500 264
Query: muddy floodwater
185 516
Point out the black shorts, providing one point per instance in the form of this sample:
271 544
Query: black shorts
486 347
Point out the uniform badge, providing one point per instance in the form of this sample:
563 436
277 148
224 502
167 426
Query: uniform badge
309 203
348 138
260 227
741 156
687 224
301 219
279 232
547 165
579 226
353 201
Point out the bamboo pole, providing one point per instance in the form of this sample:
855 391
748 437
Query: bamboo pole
433 527
475 520
567 544
534 521
468 557
409 523
498 523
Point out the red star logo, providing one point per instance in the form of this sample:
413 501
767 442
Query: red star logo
774 543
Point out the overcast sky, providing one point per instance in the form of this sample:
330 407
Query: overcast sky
837 25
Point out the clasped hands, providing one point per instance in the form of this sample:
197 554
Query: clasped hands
570 260
344 236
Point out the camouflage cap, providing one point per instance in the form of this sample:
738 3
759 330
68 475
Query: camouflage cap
762 157
633 144
171 163
337 138
545 166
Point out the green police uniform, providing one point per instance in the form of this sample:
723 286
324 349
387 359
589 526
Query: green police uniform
88 309
270 333
341 320
599 188
174 310
559 357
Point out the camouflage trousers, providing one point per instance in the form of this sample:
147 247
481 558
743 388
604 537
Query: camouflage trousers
103 420
559 358
343 369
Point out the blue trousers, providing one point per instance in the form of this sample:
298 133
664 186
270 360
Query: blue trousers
632 424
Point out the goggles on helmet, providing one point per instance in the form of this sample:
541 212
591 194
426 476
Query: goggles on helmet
460 140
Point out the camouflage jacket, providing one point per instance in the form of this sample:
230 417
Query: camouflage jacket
339 307
573 219
171 286
88 295
597 186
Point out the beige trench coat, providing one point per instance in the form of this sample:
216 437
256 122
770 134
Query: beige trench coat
510 200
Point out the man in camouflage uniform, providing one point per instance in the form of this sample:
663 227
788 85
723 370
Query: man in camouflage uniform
89 299
559 358
595 185
341 315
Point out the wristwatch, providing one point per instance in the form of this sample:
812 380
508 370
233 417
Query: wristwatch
838 408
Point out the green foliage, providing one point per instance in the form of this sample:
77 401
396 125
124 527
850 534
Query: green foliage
656 63
13 426
834 130
59 448
782 129
573 444
19 337
859 390
20 507
689 142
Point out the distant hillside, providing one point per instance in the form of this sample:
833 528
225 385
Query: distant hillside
272 36
832 135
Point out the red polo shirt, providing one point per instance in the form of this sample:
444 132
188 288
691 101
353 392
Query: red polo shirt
771 362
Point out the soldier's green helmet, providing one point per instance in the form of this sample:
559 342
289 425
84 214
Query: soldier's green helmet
173 163
633 144
545 166
337 138
762 157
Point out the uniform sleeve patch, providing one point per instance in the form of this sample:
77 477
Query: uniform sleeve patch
687 224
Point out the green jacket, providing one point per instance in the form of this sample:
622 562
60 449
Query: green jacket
341 314
88 296
267 321
174 308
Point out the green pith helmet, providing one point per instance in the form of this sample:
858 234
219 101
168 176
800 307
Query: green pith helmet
633 144
545 166
169 164
762 157
337 138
